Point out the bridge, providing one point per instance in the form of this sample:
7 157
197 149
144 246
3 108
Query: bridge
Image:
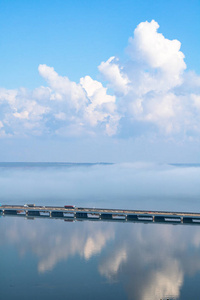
72 213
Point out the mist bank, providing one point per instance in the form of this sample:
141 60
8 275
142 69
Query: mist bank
130 185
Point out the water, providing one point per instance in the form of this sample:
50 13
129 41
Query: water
132 186
54 259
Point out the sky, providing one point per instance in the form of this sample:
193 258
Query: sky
94 81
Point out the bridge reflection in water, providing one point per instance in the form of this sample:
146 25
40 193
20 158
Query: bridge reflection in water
99 214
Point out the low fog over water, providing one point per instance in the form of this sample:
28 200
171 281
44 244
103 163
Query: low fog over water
91 260
132 186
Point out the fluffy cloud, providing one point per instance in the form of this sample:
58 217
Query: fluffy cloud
102 107
63 107
21 113
151 87
153 49
113 73
158 93
62 88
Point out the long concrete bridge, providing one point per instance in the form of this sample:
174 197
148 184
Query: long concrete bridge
100 214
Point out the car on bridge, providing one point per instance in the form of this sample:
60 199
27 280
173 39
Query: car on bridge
29 205
70 206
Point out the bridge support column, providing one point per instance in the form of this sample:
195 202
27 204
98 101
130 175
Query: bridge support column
106 216
10 212
132 217
33 213
81 215
187 220
159 219
58 214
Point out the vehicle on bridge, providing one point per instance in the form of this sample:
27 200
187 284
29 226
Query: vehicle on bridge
29 205
70 206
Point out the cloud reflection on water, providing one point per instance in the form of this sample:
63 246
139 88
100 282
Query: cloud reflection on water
152 268
151 261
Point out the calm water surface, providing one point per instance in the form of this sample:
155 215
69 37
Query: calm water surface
55 259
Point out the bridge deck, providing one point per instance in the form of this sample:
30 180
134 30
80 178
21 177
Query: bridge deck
99 211
101 214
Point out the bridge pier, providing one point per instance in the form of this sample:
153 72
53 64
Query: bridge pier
159 219
33 213
106 216
58 214
187 220
81 215
132 217
10 212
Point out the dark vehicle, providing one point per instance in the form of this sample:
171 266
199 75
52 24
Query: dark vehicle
70 206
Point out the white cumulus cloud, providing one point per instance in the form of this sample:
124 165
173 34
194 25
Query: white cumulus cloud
150 88
102 107
152 48
114 74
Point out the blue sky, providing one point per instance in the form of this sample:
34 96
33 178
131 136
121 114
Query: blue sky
142 104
